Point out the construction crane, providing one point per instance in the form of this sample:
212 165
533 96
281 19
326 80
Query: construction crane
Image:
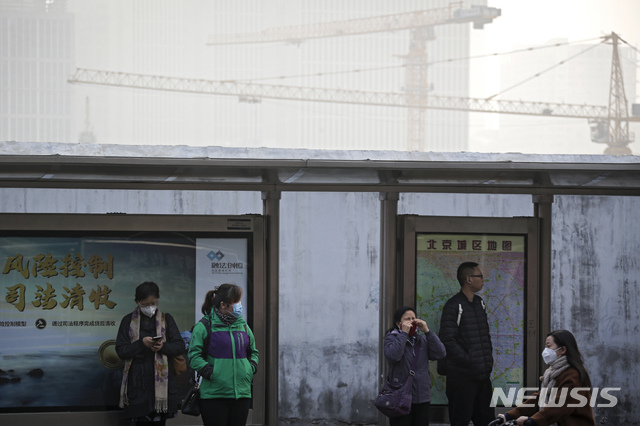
420 24
454 13
609 124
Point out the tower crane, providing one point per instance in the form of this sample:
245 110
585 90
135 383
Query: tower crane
420 24
609 124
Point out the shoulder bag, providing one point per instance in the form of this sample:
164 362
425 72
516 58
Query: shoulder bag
179 364
395 402
191 402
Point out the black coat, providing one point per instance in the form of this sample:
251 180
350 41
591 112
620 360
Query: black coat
469 348
140 386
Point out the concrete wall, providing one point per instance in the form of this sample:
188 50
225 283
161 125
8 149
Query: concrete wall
329 283
595 293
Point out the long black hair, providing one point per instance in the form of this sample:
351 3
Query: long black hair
574 357
227 293
397 317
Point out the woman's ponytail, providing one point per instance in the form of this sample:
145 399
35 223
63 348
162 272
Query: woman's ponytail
208 301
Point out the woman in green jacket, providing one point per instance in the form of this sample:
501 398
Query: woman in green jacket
226 358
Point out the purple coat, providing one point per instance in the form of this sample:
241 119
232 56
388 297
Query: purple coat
398 350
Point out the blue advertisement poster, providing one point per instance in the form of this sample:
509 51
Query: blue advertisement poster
61 306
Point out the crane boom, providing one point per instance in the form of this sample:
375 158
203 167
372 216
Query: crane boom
253 92
395 22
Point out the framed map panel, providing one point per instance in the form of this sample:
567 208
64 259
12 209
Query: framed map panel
506 250
502 260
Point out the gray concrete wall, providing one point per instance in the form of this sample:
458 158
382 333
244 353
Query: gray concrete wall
595 293
329 283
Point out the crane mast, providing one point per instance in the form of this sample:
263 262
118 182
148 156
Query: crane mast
618 136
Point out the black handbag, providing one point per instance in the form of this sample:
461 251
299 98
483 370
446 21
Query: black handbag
395 402
191 402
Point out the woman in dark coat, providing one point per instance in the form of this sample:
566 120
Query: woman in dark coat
148 393
401 344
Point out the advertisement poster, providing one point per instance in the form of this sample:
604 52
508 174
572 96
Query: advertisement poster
62 302
502 260
221 261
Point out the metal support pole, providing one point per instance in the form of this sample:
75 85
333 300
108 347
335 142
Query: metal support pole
271 210
388 273
543 211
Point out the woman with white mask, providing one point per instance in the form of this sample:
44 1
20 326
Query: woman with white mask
147 340
565 391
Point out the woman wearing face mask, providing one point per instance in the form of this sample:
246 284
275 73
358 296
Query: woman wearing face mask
566 371
226 359
148 393
401 344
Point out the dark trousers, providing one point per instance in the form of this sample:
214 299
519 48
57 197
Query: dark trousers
469 400
419 416
224 411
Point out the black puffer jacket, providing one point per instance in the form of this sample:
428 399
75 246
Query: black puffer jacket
469 348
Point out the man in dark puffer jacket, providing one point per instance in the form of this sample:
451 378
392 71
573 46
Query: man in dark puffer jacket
464 331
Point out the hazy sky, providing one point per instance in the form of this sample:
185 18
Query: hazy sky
522 23
532 23
535 23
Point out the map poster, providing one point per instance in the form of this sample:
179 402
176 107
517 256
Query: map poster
502 260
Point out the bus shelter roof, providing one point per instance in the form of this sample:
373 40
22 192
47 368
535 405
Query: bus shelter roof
175 167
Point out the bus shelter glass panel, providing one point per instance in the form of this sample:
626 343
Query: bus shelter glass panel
63 298
502 260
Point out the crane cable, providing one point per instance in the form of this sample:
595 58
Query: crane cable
546 70
526 49
625 42
322 74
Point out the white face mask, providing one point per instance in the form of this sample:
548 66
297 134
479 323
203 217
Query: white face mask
549 355
148 310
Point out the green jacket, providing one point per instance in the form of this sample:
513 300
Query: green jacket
231 352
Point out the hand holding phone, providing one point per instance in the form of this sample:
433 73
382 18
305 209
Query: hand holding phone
414 326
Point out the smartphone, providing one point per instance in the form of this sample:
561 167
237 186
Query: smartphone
155 339
413 329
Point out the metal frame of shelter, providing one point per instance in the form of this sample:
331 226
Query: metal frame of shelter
539 176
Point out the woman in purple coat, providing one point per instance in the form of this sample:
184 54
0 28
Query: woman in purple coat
401 343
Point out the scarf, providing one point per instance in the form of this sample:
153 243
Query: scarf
550 375
160 364
227 319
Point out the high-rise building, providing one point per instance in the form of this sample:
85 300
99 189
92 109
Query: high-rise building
36 59
169 38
